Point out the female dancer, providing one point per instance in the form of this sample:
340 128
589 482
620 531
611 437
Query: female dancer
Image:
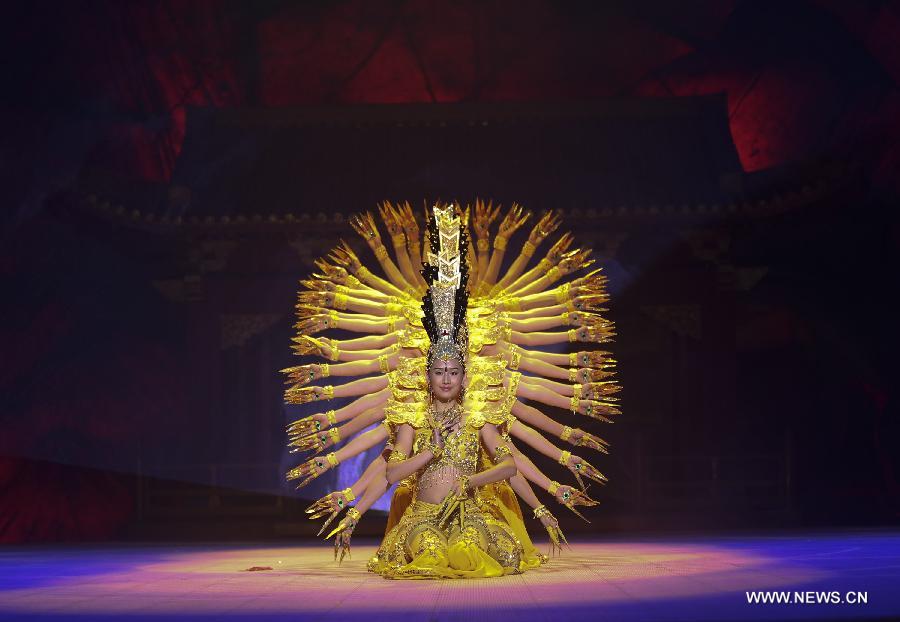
449 391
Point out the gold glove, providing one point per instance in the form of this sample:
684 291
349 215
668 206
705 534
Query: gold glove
582 467
557 538
599 390
331 505
343 532
311 469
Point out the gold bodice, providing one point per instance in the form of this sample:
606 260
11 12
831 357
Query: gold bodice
462 450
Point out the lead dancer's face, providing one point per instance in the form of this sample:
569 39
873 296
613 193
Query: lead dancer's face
446 378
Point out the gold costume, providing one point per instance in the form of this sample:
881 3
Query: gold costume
440 297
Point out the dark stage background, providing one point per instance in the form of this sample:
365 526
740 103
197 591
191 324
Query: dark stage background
172 168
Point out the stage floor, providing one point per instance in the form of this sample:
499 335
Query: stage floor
635 578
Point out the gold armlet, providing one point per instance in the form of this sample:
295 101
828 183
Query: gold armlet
398 240
335 434
348 495
562 292
381 252
397 455
528 250
392 324
564 458
553 488
340 301
513 304
566 434
483 245
383 363
332 459
500 243
332 417
501 453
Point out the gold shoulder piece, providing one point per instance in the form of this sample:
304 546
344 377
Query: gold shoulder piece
398 413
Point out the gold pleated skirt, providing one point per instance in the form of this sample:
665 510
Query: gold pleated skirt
490 540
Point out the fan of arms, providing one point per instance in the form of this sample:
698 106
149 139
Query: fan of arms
513 381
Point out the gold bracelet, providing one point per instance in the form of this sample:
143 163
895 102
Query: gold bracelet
573 360
562 292
436 451
335 352
363 273
383 363
500 243
335 434
340 301
331 416
528 250
554 486
328 392
573 374
483 245
573 404
566 434
576 391
381 252
573 336
564 458
393 308
398 240
544 265
332 319
565 318
326 369
353 282
541 511
348 495
332 459
463 483
354 516
554 274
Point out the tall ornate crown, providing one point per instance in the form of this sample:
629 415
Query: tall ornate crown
446 272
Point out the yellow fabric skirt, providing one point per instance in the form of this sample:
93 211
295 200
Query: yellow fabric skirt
489 541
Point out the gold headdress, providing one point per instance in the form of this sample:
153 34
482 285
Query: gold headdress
447 274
